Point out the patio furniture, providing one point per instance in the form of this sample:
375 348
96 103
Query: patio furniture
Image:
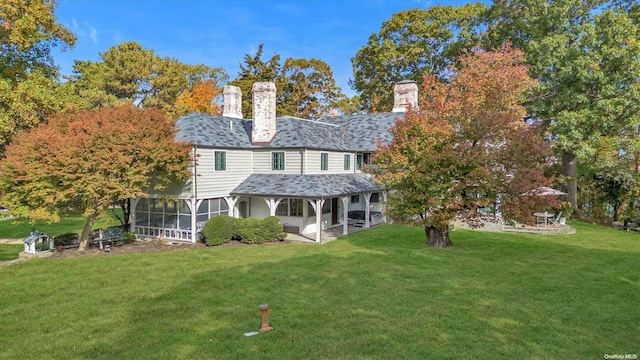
110 236
632 225
542 219
556 219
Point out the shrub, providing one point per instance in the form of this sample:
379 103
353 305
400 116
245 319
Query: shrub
223 228
249 232
66 239
274 228
129 237
219 230
256 231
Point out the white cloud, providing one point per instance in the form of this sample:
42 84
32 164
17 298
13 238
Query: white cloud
84 30
93 34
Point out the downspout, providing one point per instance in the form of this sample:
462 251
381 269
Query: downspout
194 210
303 154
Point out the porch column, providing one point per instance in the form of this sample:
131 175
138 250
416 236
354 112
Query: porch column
317 206
192 204
345 214
132 214
385 194
272 203
305 213
232 201
194 214
367 200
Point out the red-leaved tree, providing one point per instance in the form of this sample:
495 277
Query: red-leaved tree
82 163
468 146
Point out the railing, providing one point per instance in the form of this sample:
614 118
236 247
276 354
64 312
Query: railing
173 234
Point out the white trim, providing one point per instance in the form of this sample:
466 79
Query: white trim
367 211
284 160
345 214
225 160
326 163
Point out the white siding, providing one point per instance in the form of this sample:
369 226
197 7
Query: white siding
292 161
213 183
336 162
175 190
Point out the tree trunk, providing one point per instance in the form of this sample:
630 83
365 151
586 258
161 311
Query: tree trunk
436 237
86 231
570 172
125 205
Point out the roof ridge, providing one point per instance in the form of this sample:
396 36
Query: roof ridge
308 120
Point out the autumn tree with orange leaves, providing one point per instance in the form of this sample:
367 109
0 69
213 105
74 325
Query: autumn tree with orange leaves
468 146
82 163
202 98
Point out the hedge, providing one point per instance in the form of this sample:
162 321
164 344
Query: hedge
223 228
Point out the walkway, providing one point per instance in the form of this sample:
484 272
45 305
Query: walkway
328 235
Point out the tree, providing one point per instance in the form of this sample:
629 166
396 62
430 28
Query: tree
411 43
83 162
304 88
28 77
348 105
130 74
255 70
202 98
585 55
467 146
309 90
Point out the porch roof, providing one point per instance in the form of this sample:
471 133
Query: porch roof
306 186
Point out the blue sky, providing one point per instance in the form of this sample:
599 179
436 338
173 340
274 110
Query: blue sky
219 33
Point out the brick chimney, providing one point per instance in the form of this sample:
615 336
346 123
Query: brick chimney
405 92
232 102
264 113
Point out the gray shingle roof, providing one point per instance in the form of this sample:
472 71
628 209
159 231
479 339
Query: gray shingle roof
294 133
364 129
211 130
306 186
226 132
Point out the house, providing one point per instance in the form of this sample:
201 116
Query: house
308 173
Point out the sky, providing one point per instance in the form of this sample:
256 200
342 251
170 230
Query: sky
219 33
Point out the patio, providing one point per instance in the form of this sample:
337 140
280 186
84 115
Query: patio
328 235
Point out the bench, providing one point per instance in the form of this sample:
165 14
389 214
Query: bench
631 225
291 229
111 235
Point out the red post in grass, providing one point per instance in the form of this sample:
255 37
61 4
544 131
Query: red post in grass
264 308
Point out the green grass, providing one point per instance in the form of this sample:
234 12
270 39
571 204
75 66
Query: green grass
19 228
377 294
10 251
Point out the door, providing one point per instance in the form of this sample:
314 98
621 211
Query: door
242 209
334 211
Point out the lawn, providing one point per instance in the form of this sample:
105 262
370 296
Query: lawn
19 228
377 294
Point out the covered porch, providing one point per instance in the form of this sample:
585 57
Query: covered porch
314 203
